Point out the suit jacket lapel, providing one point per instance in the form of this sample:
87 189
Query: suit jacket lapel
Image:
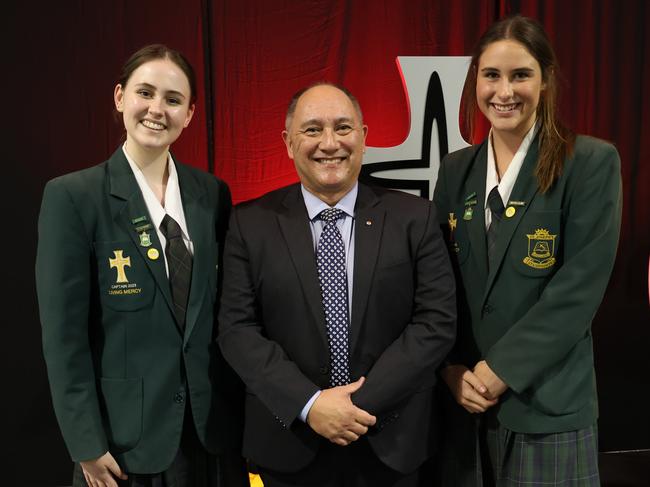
368 229
199 227
128 205
294 225
476 226
524 190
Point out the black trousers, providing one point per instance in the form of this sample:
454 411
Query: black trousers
193 466
355 465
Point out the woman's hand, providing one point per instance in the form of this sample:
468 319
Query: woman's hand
467 389
101 472
495 386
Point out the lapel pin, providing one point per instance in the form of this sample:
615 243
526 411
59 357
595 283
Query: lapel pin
510 211
153 254
517 203
470 196
145 239
139 219
468 213
452 222
368 223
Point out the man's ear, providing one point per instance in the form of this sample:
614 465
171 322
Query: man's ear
287 141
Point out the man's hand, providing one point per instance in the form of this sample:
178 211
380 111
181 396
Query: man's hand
495 386
335 417
467 388
100 472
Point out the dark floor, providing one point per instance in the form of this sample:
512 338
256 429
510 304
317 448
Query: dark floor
617 469
625 469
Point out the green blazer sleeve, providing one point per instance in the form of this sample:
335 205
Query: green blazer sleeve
63 280
563 314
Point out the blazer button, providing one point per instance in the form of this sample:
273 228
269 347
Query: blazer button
487 309
324 370
179 398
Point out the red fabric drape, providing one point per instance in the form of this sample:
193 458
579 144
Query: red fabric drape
268 50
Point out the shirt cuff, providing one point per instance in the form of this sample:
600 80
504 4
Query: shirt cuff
305 410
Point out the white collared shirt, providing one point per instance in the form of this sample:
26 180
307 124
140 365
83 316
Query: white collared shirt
510 177
173 203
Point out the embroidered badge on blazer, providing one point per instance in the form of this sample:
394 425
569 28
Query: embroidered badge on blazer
541 249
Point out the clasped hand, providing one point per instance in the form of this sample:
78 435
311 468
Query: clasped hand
102 471
475 390
335 417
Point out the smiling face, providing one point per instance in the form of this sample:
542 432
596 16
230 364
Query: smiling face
155 104
326 139
508 87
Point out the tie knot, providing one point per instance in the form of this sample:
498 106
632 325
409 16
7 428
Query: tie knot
170 229
495 203
330 215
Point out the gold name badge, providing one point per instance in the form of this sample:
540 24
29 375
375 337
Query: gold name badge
153 254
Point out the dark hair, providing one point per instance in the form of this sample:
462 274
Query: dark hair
294 99
555 140
159 51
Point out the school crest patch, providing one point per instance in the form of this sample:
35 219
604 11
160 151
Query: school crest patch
541 249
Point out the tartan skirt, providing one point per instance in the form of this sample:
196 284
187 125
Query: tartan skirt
479 452
567 459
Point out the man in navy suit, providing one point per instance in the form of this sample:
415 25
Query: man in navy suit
352 362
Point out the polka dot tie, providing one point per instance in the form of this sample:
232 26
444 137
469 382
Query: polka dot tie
332 273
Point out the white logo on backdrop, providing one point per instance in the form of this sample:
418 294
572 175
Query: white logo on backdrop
433 86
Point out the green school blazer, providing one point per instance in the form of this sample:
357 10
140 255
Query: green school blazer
530 315
121 370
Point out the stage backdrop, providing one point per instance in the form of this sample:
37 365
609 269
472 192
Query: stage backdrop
250 56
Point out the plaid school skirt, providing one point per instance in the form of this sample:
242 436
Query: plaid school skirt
483 453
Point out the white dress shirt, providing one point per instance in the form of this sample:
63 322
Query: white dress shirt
173 203
510 177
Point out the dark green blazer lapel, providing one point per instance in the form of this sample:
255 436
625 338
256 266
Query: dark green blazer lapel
524 190
199 227
127 206
475 183
368 229
294 225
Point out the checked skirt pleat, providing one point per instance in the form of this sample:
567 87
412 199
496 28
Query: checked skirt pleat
332 273
179 261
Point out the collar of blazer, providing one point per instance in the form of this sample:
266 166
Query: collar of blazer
367 238
128 204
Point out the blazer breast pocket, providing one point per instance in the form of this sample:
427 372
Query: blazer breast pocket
535 248
125 281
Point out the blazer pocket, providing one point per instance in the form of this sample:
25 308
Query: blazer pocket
536 244
122 403
125 281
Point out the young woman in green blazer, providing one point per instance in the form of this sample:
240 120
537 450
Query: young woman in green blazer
126 275
532 217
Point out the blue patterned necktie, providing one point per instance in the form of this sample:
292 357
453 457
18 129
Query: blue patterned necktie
333 276
495 203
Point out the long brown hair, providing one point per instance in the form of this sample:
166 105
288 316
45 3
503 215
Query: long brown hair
555 140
